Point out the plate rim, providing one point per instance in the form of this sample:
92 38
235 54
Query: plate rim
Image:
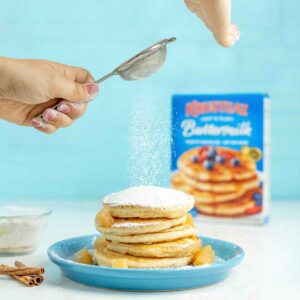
65 263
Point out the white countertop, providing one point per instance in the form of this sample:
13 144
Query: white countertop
271 269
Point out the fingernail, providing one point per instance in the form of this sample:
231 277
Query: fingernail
64 108
37 122
92 88
49 114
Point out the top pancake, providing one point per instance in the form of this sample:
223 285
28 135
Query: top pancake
148 202
221 172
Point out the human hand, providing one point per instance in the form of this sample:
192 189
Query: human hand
31 87
216 15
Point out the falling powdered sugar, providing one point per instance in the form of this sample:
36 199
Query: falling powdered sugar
149 196
148 161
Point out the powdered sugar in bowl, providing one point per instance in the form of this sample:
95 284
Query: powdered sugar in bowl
21 228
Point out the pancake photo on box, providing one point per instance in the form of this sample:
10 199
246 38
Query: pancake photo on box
223 181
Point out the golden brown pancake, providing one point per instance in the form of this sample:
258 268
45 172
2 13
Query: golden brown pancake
171 234
139 226
147 213
179 248
105 257
148 202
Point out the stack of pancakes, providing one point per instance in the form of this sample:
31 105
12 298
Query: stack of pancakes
146 227
222 180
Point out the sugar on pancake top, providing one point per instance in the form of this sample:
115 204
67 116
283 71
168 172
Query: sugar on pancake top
149 196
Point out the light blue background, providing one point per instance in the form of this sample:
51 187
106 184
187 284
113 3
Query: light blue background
97 155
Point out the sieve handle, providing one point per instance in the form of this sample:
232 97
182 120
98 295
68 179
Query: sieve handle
106 77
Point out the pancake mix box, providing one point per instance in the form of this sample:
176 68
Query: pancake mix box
220 155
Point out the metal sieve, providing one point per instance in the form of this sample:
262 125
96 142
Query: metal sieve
142 64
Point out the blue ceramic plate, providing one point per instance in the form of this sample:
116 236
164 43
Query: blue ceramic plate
228 256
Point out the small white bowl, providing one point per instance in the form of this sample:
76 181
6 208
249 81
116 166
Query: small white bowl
21 228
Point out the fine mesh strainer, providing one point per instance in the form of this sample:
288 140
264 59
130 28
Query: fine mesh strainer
142 64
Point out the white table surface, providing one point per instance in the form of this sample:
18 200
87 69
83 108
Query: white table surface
271 269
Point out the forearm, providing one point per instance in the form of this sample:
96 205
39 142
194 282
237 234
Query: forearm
5 67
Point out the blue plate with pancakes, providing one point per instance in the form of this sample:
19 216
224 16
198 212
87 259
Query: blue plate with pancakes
228 255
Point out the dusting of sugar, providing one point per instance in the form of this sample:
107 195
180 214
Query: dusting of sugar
149 196
148 161
134 224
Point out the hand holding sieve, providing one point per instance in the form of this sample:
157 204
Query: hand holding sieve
140 66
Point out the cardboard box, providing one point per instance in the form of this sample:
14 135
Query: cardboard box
220 155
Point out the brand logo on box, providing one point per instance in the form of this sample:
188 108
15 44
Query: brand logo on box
196 108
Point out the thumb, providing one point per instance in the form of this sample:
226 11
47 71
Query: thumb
75 92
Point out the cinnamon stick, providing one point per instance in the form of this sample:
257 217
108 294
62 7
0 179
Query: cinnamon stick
27 280
29 276
6 270
37 279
